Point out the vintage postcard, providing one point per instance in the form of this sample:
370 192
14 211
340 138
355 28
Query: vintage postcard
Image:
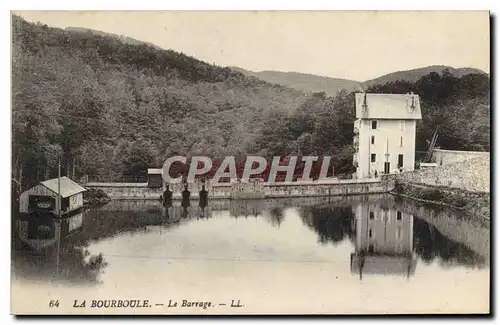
250 162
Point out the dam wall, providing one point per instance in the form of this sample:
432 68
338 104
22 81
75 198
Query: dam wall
251 190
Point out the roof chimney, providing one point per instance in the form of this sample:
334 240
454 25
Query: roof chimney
364 105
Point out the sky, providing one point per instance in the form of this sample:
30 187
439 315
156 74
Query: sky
352 45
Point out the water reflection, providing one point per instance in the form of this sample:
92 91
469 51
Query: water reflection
384 237
43 249
204 212
188 211
432 245
332 223
384 241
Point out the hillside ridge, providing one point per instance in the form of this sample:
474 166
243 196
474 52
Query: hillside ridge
312 83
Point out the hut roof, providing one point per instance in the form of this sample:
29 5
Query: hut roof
68 187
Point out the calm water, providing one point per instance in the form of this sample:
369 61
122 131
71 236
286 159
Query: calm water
328 255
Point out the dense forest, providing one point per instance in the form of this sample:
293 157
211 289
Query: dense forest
110 110
107 108
458 107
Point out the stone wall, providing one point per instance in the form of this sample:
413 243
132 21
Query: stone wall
474 205
351 187
344 187
446 157
471 175
127 190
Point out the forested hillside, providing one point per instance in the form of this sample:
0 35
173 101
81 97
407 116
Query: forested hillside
458 107
414 74
308 83
331 86
110 109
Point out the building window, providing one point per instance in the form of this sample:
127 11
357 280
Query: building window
400 161
372 215
370 233
373 157
400 141
399 216
374 125
401 125
373 139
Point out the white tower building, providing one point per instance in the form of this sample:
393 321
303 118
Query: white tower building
384 133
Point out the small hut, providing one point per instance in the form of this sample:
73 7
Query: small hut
42 198
155 178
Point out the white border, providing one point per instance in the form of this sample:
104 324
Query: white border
255 5
184 5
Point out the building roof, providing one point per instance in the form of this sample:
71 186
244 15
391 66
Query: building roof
68 187
388 106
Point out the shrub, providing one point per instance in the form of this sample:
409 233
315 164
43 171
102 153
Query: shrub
433 195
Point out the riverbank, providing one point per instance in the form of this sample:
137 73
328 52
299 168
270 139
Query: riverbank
475 205
95 196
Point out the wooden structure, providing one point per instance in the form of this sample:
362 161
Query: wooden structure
43 198
155 179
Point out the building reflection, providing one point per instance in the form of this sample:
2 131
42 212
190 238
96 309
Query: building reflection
385 237
38 233
173 214
383 241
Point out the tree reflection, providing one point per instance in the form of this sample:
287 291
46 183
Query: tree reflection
430 244
37 255
335 223
75 266
332 224
275 216
44 250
